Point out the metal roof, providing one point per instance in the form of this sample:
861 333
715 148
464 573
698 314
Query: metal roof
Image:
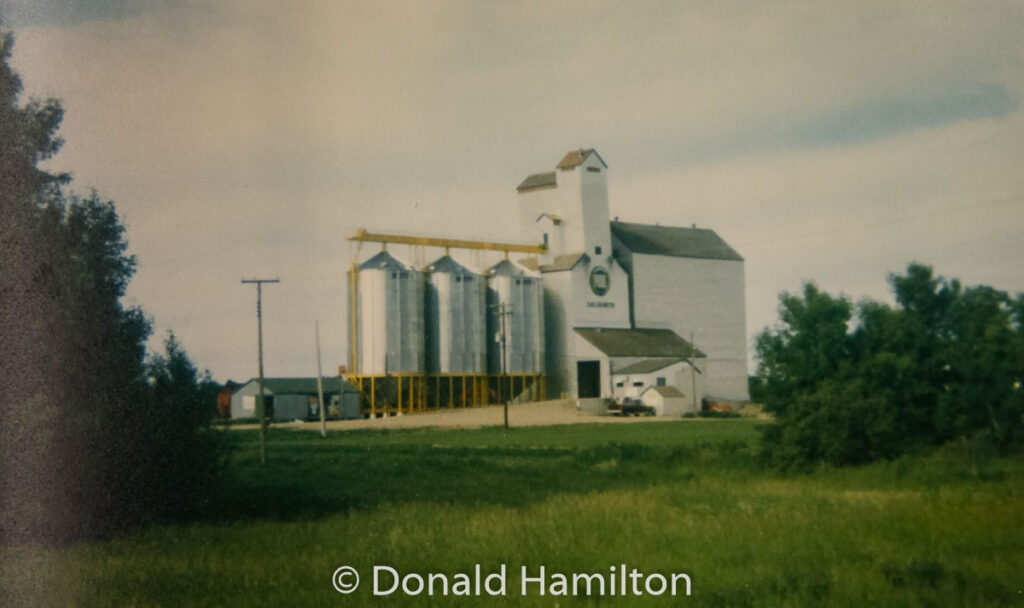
510 269
446 264
560 263
538 181
572 159
575 158
666 391
565 262
385 261
302 386
647 366
638 342
673 241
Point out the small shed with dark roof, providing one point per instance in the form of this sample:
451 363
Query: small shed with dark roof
667 401
296 398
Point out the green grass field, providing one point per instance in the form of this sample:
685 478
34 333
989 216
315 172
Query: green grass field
942 529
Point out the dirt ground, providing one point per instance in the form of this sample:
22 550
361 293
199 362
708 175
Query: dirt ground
526 414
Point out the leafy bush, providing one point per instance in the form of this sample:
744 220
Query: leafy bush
718 414
948 362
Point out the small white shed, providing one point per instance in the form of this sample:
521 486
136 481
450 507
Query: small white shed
296 398
667 401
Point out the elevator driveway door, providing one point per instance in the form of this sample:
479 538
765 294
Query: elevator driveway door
588 379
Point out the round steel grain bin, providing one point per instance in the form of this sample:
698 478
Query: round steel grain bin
456 319
390 317
516 295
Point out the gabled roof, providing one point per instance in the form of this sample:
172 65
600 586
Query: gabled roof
447 265
538 181
565 262
301 386
508 268
385 261
638 342
647 366
559 264
665 391
672 241
575 158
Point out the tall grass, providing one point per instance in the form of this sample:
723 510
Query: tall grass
687 496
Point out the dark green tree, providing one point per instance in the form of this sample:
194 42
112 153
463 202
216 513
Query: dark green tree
32 318
981 380
27 137
945 363
185 454
806 347
93 439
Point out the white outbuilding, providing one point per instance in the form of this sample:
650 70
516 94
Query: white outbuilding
666 401
685 375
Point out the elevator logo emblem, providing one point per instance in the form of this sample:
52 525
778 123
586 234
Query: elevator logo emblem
599 280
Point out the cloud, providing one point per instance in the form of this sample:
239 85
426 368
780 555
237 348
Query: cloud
893 116
21 13
34 13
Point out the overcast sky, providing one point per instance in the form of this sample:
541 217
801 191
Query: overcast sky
833 142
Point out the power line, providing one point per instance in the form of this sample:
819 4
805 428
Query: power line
877 258
886 222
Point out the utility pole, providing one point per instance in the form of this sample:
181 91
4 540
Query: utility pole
693 376
259 323
320 385
503 312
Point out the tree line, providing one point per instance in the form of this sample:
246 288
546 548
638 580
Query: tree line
96 435
849 383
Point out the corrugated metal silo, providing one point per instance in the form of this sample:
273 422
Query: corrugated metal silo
390 317
517 294
455 319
